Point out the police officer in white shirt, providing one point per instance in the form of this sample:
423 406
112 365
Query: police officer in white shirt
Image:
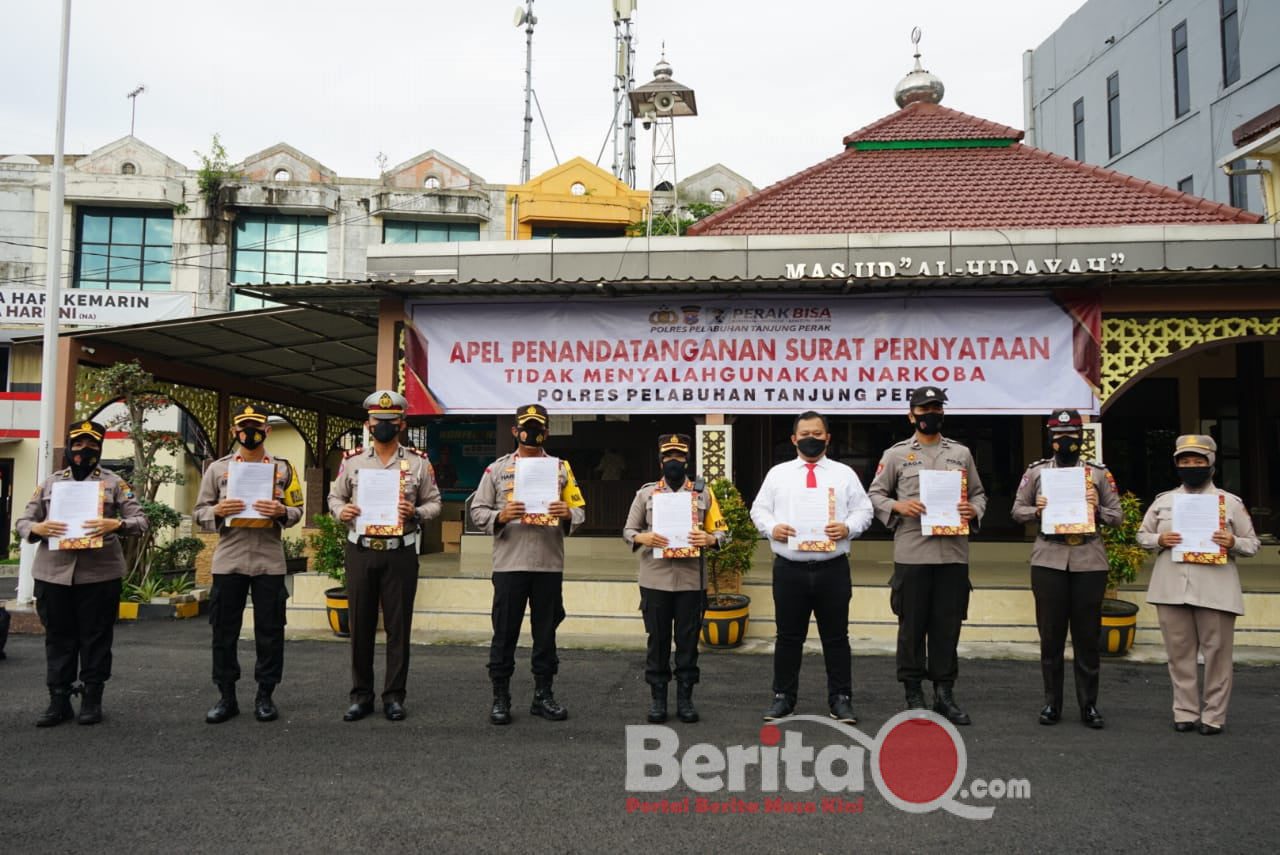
811 575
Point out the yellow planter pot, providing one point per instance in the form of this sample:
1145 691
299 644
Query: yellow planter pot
725 623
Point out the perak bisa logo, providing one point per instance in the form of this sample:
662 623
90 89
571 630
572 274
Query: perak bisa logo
917 761
692 316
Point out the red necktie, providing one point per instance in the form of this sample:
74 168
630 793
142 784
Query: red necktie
811 479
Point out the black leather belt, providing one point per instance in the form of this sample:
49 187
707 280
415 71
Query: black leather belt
383 544
1069 539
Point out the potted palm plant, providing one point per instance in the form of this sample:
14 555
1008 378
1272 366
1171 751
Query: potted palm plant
329 558
1124 559
725 623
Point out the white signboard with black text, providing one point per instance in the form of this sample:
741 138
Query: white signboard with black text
991 354
93 308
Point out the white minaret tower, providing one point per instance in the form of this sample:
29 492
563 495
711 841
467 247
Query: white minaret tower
658 103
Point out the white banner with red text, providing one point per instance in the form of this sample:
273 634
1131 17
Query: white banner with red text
990 354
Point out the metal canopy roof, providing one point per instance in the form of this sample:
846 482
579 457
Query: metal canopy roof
361 298
324 355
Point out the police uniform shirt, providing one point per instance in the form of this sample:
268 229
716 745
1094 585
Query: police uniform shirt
516 546
672 574
418 483
1208 586
83 566
1090 554
898 479
772 505
254 549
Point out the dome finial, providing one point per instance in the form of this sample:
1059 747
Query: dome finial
663 68
919 84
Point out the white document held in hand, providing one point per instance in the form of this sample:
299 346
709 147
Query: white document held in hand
1195 517
378 495
250 482
73 503
809 514
1064 493
537 483
673 519
940 494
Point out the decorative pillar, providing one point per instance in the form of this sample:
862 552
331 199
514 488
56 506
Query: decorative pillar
222 428
64 402
390 316
715 450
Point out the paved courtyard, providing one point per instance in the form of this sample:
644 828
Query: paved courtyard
154 777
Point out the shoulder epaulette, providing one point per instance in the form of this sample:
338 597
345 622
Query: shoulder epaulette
902 442
353 452
1094 463
1039 463
419 452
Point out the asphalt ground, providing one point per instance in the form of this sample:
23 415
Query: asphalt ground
154 777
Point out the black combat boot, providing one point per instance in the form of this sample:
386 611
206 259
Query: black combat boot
264 708
915 695
944 704
658 705
544 702
226 707
685 710
91 704
59 707
500 712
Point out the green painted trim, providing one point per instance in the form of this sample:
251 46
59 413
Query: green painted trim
889 145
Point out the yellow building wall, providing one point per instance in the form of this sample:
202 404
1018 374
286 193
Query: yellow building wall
548 199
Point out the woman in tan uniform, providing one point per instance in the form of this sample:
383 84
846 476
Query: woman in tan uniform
1198 597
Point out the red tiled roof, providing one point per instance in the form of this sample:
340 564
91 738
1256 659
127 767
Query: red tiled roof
924 121
955 188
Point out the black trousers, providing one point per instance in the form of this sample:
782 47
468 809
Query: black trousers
544 595
79 624
664 611
822 589
226 615
387 579
1065 599
931 602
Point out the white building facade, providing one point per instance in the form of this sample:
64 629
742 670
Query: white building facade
1154 89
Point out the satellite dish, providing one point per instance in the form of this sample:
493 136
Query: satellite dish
519 16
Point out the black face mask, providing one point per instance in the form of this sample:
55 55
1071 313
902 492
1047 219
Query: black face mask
1066 451
385 431
1195 476
82 461
811 446
531 434
929 423
251 439
674 473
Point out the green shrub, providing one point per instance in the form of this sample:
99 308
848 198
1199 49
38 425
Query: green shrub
328 556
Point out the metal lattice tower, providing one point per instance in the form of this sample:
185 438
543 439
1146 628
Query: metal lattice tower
658 103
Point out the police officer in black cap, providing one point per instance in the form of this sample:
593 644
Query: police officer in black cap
929 591
1069 570
78 583
673 580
